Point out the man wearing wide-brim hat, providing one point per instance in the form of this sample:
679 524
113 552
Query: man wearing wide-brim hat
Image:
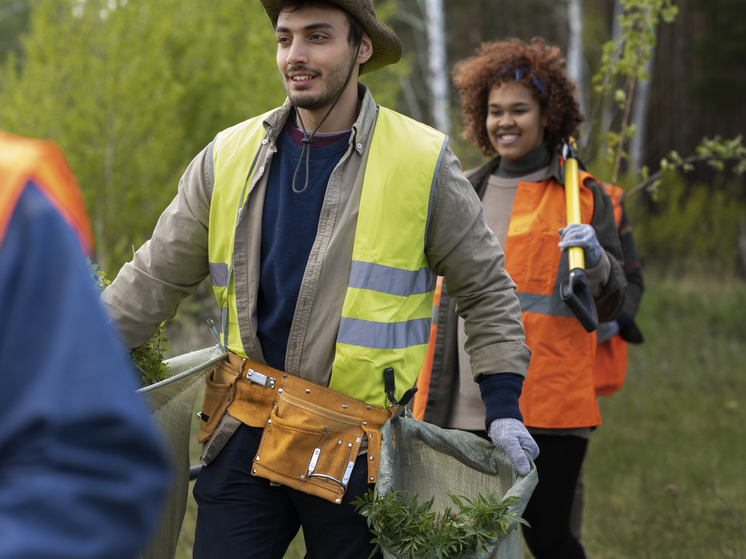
322 225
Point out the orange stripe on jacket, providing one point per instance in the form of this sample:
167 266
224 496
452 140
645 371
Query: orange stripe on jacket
42 162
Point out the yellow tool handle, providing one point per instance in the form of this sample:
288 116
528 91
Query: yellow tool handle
572 203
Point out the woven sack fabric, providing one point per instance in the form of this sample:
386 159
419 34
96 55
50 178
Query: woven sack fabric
172 401
431 462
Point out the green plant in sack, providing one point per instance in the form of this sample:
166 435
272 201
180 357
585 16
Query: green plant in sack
403 527
149 359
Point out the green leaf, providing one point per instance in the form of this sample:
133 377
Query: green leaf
148 358
419 533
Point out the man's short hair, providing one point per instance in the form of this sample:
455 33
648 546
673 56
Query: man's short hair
355 28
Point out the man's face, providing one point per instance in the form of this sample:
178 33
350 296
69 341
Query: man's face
313 55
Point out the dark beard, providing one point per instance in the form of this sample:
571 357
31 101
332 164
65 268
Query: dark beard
335 82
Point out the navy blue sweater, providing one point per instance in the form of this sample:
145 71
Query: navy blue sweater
289 225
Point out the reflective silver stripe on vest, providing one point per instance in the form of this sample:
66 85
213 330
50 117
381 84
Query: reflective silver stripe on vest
384 335
434 318
219 274
393 281
543 304
552 305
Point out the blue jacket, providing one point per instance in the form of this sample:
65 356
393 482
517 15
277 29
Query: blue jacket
82 471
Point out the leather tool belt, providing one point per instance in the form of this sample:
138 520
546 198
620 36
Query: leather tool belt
312 434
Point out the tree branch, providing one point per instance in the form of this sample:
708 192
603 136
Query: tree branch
600 95
625 120
659 173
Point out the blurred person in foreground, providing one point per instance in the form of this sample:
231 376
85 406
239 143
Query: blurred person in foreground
518 105
322 225
82 471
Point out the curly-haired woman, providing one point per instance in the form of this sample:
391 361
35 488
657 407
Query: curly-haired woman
518 105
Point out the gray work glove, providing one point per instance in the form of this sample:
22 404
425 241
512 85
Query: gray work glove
510 435
606 330
583 236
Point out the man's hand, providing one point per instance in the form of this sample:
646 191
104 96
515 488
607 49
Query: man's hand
582 236
511 435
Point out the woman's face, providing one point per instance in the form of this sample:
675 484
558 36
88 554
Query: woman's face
515 124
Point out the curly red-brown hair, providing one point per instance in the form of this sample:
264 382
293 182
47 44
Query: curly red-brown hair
538 67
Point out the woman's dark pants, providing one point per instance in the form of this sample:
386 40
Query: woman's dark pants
548 511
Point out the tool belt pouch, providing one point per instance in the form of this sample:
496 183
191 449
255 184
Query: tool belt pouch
220 389
312 438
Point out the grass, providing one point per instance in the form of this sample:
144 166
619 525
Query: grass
665 474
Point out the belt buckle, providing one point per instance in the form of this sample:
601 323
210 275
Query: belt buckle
259 378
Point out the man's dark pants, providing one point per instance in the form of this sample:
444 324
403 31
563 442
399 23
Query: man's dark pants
241 516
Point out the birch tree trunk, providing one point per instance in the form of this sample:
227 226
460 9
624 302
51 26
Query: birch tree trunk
438 79
575 66
640 108
616 31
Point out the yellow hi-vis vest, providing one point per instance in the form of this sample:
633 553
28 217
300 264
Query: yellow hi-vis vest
387 309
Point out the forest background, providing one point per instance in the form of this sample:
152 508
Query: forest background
133 90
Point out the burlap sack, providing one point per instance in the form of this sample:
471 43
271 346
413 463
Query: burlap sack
428 461
172 401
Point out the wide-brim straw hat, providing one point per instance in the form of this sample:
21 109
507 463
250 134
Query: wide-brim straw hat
386 45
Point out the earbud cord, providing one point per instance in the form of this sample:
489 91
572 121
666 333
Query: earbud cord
308 138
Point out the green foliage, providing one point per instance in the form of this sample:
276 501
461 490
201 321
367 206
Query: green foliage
627 56
132 90
385 84
13 18
697 223
689 223
623 60
99 277
148 358
415 531
716 152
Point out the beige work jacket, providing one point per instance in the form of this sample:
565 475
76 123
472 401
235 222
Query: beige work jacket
460 246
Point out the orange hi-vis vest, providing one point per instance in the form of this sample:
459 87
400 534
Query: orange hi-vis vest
610 368
559 391
42 163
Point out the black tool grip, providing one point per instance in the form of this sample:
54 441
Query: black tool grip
576 294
